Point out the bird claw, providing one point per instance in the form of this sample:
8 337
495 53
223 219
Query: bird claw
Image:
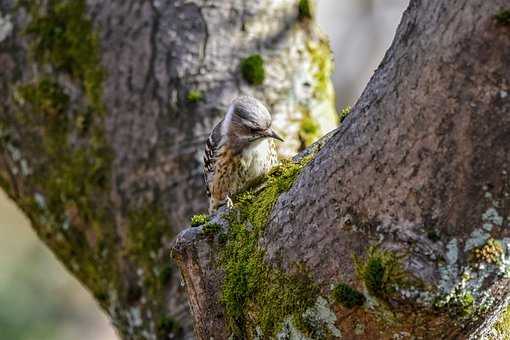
230 204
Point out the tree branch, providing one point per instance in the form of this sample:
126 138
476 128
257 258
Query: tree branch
414 186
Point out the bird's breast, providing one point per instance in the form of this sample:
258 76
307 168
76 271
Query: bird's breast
257 159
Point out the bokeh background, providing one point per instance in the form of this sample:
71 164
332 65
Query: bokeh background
40 300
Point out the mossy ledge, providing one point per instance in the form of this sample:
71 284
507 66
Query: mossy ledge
257 296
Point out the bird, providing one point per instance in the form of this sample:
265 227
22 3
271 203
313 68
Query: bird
239 150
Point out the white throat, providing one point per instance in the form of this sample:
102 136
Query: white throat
255 157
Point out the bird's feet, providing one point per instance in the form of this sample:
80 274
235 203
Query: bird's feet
230 204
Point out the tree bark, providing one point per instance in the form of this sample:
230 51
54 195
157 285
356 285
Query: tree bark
104 110
399 225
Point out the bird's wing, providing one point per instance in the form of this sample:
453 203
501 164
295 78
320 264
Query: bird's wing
211 153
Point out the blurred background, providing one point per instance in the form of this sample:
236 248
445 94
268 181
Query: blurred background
40 300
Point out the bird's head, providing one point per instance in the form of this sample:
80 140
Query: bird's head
247 121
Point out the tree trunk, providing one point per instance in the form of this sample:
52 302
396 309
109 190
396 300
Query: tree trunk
104 110
398 226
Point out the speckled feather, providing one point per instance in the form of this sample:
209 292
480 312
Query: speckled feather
232 159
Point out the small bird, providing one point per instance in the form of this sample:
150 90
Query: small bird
239 149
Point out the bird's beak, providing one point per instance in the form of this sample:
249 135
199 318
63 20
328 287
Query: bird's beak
271 134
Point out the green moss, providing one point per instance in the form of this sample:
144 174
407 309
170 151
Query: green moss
309 130
320 54
254 292
252 69
305 9
73 141
212 228
458 304
199 219
194 96
347 296
147 227
46 95
503 17
381 271
145 250
79 174
63 36
502 326
344 113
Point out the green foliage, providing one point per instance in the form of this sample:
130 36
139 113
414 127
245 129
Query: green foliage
64 37
254 292
344 113
381 271
347 296
199 219
252 69
194 96
503 17
305 9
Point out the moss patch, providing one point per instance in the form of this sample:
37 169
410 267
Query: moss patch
194 96
502 326
305 10
381 272
252 69
320 54
212 228
254 292
457 304
309 131
63 36
147 227
347 296
344 113
199 219
503 17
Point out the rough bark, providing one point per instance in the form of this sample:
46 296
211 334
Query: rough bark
414 185
104 110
